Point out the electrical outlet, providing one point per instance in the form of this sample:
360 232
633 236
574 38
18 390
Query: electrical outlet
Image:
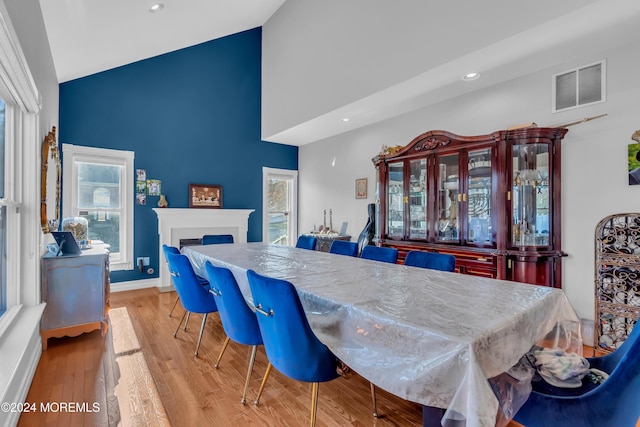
145 260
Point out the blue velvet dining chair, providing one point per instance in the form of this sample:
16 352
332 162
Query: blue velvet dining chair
166 249
215 239
612 403
238 320
432 260
343 247
289 342
379 253
193 296
307 242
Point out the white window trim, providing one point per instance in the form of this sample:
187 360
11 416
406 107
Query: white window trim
268 173
71 154
22 100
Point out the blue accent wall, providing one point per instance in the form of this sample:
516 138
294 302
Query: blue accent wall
190 116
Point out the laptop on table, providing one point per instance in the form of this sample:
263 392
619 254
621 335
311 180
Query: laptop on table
67 244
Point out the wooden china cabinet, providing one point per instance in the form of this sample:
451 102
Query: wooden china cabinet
491 200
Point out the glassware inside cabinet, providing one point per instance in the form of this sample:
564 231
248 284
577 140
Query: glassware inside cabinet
418 199
395 203
479 197
530 195
448 191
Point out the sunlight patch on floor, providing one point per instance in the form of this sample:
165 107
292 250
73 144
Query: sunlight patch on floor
136 391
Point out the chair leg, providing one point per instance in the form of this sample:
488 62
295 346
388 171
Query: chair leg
174 306
373 398
314 403
187 321
224 347
254 349
204 319
179 323
264 381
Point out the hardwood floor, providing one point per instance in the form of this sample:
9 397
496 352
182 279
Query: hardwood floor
192 391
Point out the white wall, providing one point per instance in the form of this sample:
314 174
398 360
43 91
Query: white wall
27 20
594 162
321 55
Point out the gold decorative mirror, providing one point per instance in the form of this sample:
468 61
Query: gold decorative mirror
50 184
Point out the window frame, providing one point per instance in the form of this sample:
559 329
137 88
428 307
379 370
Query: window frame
12 170
22 154
292 177
71 155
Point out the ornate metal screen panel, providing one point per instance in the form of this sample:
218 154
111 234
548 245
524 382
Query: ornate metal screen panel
617 279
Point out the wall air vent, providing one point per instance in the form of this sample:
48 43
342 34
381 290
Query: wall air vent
579 87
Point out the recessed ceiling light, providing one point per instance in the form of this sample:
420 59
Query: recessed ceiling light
346 119
470 76
156 7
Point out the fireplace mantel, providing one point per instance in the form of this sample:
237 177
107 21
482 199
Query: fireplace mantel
175 224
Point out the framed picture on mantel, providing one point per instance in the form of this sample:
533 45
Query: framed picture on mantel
205 196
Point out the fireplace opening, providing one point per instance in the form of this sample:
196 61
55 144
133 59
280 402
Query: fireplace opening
190 242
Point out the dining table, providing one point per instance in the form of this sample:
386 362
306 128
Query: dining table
440 339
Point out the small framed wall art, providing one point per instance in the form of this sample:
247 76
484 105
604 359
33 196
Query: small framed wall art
361 188
154 187
205 196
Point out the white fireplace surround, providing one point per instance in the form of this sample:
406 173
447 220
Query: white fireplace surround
175 224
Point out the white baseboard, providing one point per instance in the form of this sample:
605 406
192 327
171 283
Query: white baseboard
134 284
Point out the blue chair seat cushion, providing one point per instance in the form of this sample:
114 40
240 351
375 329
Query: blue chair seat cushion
539 385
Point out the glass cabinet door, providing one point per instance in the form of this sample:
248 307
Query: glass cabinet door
479 197
448 192
395 203
418 199
377 205
530 195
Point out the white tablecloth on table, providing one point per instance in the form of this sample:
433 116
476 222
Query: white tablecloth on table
427 336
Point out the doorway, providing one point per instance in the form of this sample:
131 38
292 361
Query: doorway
280 201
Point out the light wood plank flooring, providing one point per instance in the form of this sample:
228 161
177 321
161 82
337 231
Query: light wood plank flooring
191 390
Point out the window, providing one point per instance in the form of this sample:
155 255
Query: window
98 186
19 149
280 220
579 87
3 216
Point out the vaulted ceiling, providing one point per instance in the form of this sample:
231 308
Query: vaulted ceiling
89 36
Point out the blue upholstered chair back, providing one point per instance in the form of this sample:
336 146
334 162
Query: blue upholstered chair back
214 239
238 320
432 260
343 247
382 254
166 249
610 404
609 361
289 342
307 242
194 297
